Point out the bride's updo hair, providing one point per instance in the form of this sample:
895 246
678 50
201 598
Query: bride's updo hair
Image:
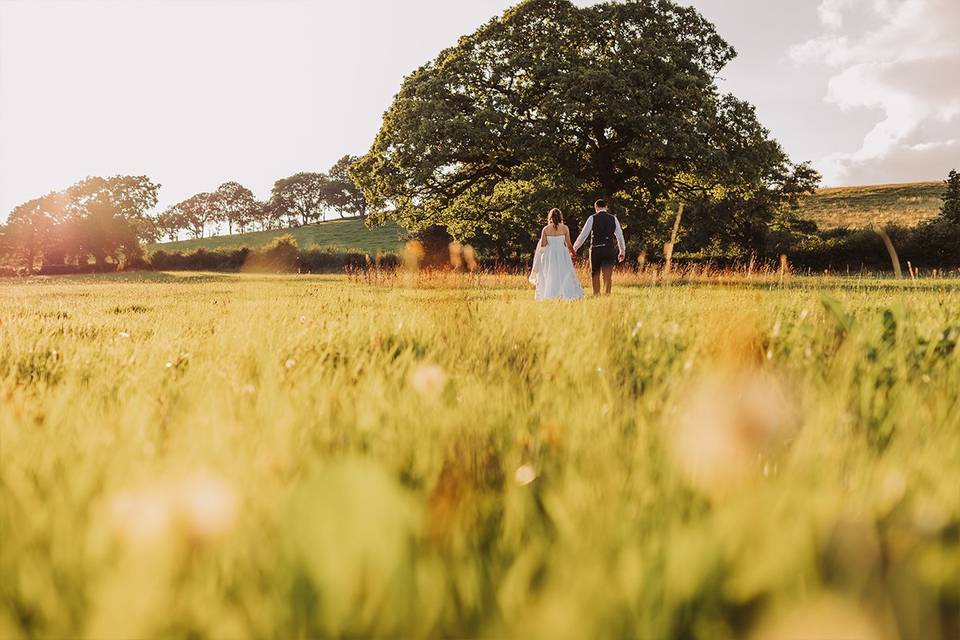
555 217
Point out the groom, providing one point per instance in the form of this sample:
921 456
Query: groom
603 229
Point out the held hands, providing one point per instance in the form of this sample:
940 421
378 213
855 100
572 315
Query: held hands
621 258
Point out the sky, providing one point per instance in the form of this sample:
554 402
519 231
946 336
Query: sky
194 93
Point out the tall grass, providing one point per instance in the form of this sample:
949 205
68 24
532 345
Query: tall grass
411 455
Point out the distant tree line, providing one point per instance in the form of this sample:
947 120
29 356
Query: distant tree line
105 221
298 200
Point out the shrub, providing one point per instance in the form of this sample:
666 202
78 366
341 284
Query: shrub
934 245
280 256
65 269
199 260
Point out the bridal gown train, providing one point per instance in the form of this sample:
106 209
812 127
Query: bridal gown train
553 272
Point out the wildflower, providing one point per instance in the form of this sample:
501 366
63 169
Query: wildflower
141 517
524 475
892 490
826 617
123 335
207 505
248 389
550 434
729 421
199 505
290 363
428 379
929 517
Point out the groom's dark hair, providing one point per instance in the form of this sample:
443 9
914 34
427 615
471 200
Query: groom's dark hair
600 204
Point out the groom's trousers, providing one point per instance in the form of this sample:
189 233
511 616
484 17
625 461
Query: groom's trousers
602 256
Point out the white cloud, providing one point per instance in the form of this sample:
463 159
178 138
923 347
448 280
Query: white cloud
831 12
899 58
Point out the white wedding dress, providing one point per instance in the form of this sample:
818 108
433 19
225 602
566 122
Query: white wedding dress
553 273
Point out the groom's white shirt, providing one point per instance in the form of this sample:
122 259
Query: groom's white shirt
587 228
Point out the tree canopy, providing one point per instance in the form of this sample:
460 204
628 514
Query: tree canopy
343 193
236 205
950 211
97 218
555 105
301 198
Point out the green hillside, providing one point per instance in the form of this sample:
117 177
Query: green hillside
338 234
859 207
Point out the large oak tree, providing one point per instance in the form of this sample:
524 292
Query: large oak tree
555 105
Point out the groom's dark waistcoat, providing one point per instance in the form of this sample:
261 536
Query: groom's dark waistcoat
604 230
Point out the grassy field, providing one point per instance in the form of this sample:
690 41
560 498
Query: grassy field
228 456
859 207
336 234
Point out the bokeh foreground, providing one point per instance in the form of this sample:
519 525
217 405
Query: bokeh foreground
237 456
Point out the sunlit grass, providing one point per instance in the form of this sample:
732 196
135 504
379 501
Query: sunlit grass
906 205
422 455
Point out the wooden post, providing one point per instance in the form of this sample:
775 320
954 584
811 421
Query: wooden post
668 249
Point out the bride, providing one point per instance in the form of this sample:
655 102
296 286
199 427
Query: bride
553 272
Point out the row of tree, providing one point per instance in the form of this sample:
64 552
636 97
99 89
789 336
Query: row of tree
298 200
108 219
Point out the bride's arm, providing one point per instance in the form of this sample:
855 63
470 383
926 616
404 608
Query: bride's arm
566 235
587 228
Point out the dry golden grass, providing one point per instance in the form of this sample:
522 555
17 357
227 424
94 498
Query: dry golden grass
861 207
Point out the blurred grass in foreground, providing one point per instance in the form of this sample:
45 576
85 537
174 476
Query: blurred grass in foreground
195 455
